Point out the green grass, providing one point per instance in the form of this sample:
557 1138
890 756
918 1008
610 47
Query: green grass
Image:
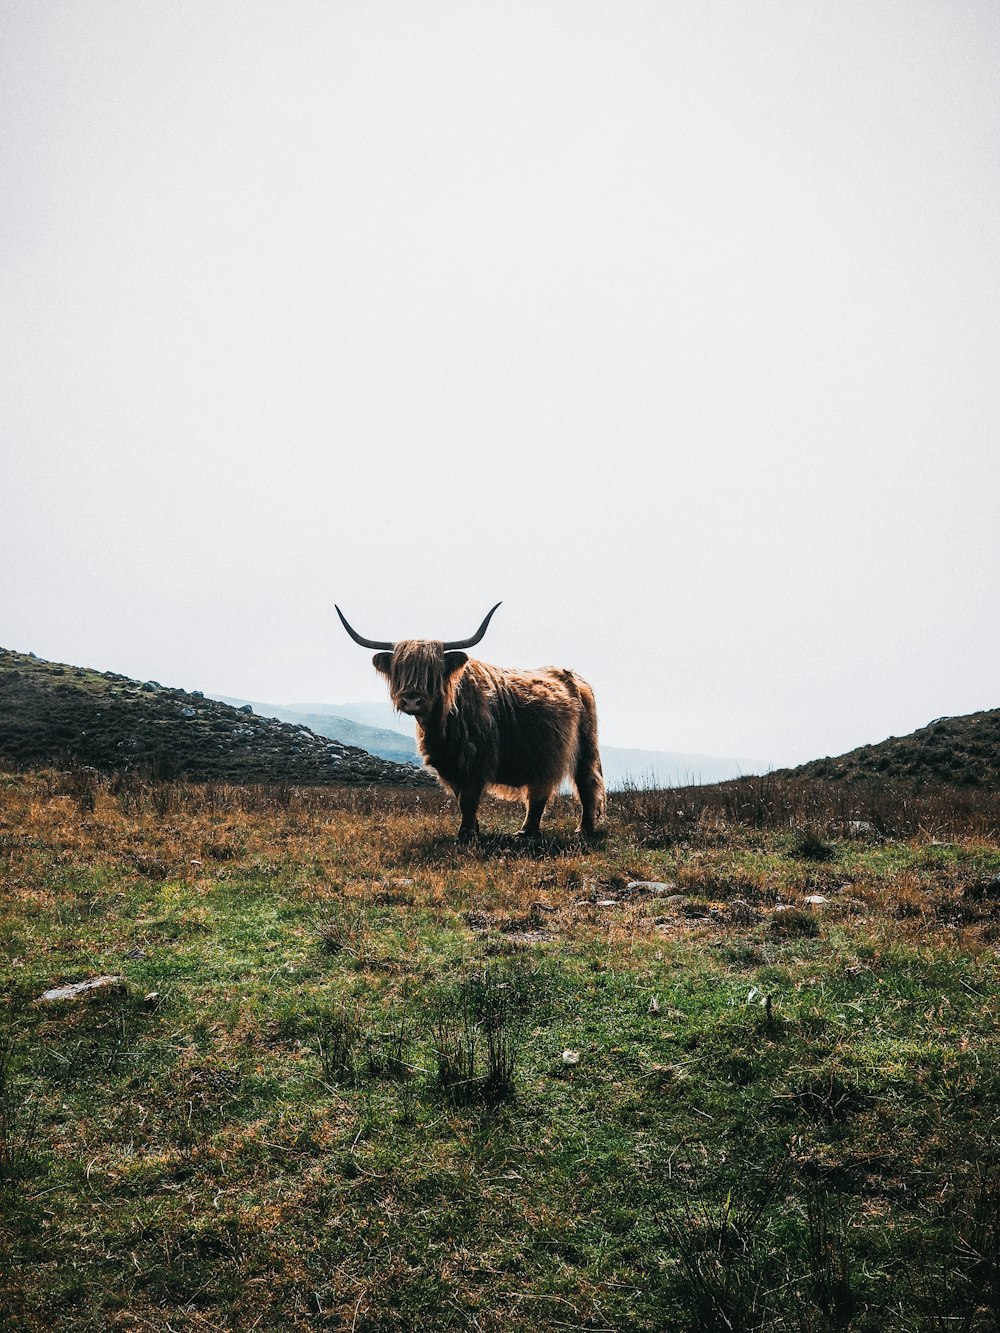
347 1105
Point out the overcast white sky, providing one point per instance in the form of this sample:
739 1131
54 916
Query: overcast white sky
674 325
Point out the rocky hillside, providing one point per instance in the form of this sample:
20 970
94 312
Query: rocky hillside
961 750
54 713
393 745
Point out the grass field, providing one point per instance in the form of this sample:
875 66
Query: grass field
358 1077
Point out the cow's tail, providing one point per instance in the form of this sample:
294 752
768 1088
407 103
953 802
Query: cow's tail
588 777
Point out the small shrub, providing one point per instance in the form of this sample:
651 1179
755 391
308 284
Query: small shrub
808 844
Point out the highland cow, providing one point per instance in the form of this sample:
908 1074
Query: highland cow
518 734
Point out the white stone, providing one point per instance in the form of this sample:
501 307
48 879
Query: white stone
77 988
649 886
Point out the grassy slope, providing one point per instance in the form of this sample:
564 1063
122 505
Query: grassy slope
963 750
275 1144
50 712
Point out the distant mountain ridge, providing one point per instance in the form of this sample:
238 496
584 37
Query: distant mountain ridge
387 744
383 731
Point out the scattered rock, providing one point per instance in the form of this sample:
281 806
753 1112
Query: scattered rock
246 708
860 828
76 989
816 900
693 909
649 886
134 955
153 1000
189 712
571 1057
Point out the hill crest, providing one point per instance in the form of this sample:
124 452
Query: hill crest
51 712
961 751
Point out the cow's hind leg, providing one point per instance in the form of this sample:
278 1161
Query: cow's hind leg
592 801
533 810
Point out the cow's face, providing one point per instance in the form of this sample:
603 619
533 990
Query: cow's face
421 675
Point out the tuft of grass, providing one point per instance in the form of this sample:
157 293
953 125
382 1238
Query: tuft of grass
667 817
344 929
729 1276
339 1035
389 1048
476 1038
792 921
809 844
831 1282
19 1109
964 1293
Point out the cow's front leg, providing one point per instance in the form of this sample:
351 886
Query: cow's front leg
468 803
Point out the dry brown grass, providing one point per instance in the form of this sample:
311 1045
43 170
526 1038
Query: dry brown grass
242 1141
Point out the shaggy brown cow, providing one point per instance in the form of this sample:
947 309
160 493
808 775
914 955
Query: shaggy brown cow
517 733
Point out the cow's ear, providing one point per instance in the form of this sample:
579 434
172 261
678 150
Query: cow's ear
383 663
453 660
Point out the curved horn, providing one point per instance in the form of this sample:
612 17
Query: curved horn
469 643
369 643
